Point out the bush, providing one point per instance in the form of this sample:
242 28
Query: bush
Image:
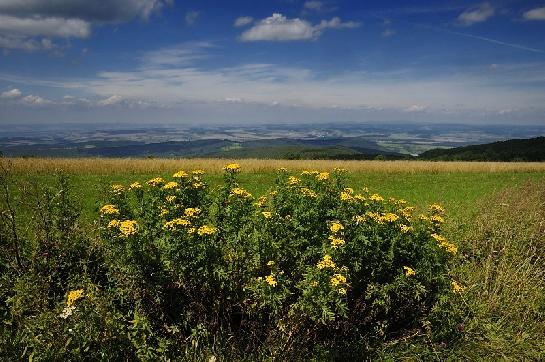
311 268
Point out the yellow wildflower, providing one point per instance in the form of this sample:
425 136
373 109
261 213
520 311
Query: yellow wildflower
266 214
376 197
457 287
436 208
128 227
170 198
181 174
359 219
197 185
273 193
135 185
336 242
437 219
197 172
443 243
73 296
156 181
206 230
341 291
337 279
270 263
308 192
271 280
170 185
292 180
240 192
109 210
322 176
192 211
409 271
406 212
359 197
336 227
232 167
405 229
389 217
326 262
306 172
261 201
117 189
345 196
113 224
163 211
176 223
283 169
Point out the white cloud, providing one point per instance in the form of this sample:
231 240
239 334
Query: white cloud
313 5
35 100
477 14
24 22
535 14
415 108
11 94
279 28
388 32
191 17
243 20
110 101
51 27
178 55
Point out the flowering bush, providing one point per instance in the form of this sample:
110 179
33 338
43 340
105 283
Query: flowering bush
312 257
177 265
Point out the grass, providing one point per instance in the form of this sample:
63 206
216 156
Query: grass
495 212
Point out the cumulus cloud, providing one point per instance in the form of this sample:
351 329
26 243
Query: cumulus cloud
191 17
243 20
29 24
11 94
535 14
279 28
476 15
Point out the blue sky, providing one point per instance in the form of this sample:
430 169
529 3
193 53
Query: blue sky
244 62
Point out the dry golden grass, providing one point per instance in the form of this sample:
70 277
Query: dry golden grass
144 165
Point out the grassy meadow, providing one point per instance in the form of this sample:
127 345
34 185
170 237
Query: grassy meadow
495 214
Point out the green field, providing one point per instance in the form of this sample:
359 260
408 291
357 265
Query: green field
495 215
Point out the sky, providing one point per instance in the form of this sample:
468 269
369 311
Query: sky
151 62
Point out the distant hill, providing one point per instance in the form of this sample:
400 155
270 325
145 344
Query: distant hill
532 149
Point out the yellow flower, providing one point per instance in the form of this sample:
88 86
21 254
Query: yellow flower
163 212
337 279
435 208
206 230
176 223
359 219
261 201
197 172
437 219
409 271
457 287
117 189
376 197
326 262
359 197
232 167
197 185
308 192
128 227
406 212
341 291
306 172
375 216
336 242
170 198
192 211
336 227
270 263
135 185
113 224
345 196
73 296
389 217
109 210
322 176
266 214
170 185
156 181
271 280
405 229
240 192
292 180
443 243
181 174
273 193
283 169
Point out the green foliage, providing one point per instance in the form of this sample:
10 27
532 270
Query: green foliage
177 266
